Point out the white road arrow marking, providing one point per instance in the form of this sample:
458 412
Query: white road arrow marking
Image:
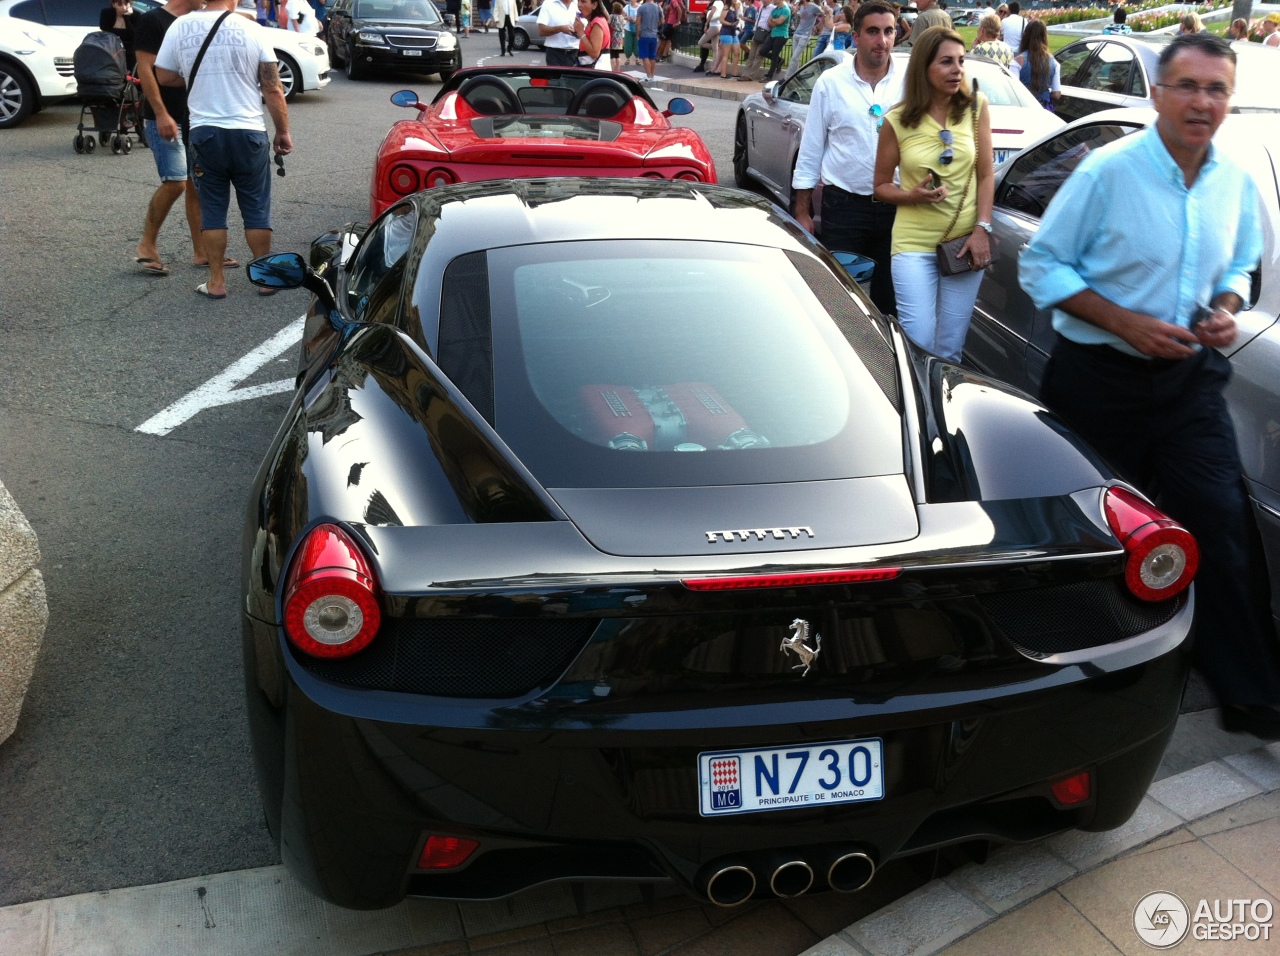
221 390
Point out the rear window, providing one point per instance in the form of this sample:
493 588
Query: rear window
648 364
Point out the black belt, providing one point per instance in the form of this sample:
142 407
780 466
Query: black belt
1110 355
845 192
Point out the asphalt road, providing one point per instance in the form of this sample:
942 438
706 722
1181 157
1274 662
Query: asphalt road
131 763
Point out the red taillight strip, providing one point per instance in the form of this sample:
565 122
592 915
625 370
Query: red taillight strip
740 582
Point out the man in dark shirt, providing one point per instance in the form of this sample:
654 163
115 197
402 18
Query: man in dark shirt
165 116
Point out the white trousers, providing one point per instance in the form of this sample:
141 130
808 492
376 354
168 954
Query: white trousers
933 310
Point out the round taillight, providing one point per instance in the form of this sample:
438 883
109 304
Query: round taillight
1162 555
690 176
331 603
439 177
404 180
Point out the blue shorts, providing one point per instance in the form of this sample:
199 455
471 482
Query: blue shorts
222 158
647 48
170 155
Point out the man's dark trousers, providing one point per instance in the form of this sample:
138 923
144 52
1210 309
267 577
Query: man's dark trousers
858 224
560 57
1164 425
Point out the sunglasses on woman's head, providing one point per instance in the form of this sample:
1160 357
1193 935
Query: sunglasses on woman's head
947 140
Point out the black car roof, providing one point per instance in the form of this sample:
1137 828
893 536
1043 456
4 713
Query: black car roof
521 211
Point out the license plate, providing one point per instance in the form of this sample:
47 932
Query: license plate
1000 155
812 775
411 52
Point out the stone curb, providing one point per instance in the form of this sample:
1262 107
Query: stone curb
692 87
23 610
930 919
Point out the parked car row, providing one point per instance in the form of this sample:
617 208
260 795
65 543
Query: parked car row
39 37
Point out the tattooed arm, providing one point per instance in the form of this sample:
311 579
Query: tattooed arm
273 97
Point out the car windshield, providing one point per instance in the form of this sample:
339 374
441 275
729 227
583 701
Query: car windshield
406 11
673 363
998 87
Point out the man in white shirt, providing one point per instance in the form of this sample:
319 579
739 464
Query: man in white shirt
1014 24
558 27
228 144
301 17
838 147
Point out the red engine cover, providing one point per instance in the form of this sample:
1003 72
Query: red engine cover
661 417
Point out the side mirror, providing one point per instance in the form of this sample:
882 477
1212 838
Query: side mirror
279 270
678 106
770 90
407 99
288 270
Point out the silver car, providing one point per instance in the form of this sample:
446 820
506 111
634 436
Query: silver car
770 123
1105 72
526 30
1010 339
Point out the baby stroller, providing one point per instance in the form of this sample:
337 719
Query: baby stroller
110 97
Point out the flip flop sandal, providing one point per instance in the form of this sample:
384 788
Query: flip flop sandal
203 289
151 267
262 291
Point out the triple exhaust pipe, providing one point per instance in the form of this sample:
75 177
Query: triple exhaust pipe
731 882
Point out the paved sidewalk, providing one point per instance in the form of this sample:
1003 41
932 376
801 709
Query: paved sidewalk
1208 834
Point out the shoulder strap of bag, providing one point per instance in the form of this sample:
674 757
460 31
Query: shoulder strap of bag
195 67
973 173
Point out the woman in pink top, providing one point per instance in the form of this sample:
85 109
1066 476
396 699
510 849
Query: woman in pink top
593 48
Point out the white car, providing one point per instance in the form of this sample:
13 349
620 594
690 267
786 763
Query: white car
770 123
304 60
35 69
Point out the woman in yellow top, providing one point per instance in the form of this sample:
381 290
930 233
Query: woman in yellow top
939 140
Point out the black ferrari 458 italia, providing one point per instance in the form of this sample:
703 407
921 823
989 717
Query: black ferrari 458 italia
612 533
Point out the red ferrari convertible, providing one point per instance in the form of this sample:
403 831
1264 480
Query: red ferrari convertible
516 122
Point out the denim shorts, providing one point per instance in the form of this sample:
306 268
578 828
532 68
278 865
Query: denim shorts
170 155
222 158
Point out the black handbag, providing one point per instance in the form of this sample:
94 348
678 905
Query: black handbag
948 252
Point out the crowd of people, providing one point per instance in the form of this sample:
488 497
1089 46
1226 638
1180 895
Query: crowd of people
755 40
905 160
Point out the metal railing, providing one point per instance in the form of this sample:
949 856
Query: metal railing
688 35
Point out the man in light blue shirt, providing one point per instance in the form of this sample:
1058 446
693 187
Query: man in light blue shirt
1144 256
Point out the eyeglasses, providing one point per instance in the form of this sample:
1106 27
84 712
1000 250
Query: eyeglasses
947 140
877 111
279 164
1218 92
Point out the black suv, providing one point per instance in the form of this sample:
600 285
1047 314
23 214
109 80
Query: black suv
401 36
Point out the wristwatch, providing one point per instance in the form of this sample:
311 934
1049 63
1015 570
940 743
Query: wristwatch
985 226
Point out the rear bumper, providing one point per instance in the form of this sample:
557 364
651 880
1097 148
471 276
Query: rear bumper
557 791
